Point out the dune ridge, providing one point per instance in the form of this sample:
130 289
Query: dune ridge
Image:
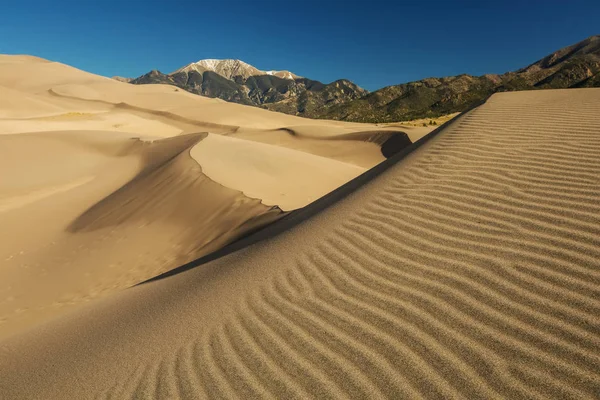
381 137
88 231
276 175
467 270
171 116
99 190
156 193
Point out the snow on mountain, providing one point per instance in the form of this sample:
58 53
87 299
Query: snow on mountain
283 74
230 68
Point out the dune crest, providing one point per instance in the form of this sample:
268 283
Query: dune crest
172 189
167 214
102 192
468 269
276 175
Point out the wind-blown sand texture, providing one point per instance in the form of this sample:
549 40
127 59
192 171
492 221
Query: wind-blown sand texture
104 184
468 269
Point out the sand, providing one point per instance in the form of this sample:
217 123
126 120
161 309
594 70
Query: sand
278 176
468 268
417 128
104 184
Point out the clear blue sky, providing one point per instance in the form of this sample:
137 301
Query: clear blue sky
373 43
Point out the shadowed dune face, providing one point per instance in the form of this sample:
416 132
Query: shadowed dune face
395 144
469 269
361 146
390 141
85 245
104 184
172 188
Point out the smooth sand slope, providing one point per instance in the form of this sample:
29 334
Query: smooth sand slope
83 214
278 176
469 269
104 184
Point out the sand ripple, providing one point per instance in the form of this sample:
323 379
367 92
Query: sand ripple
470 269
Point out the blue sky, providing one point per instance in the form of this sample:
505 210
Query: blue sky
373 43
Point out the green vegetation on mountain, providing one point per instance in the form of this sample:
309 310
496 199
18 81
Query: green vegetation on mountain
575 66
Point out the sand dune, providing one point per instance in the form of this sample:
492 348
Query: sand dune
67 90
105 184
15 104
276 175
467 269
111 213
361 146
96 121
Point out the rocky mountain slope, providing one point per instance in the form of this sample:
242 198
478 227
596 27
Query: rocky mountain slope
231 69
239 82
233 80
573 66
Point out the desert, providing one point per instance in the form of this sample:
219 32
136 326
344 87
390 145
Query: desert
111 184
232 231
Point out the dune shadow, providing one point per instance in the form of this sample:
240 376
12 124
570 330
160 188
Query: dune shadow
298 216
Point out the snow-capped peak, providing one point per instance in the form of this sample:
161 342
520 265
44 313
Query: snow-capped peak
283 74
230 68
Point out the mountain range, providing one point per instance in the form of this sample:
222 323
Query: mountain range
577 65
239 82
573 66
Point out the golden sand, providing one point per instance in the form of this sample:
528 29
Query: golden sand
467 269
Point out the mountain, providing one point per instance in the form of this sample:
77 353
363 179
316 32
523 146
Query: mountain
231 69
239 82
573 66
234 80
